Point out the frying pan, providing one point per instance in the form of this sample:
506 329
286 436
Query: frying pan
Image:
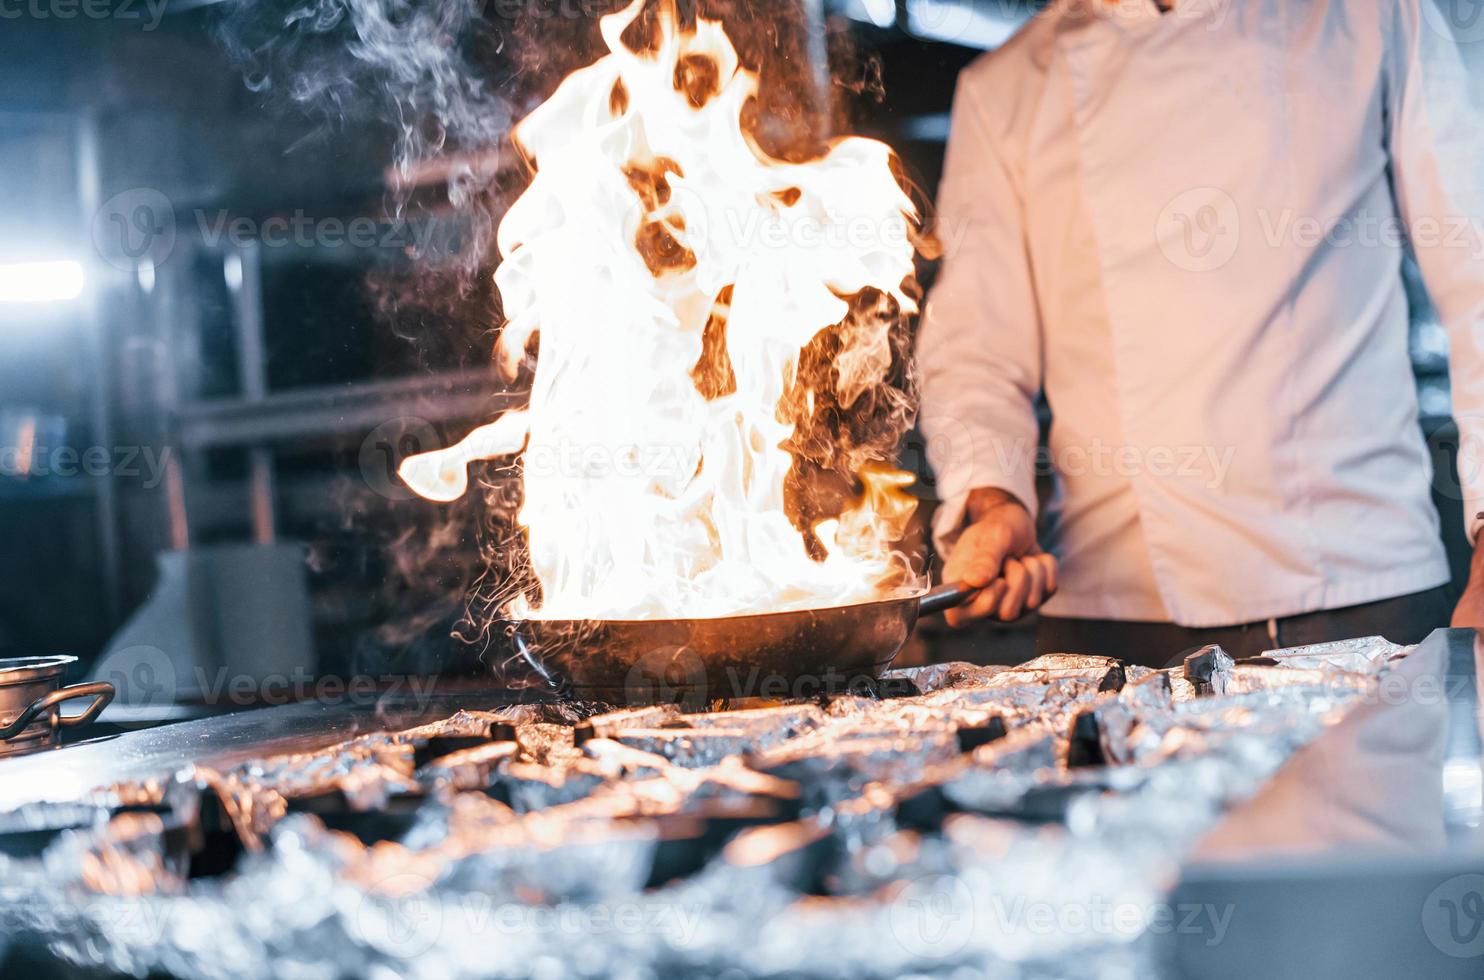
798 653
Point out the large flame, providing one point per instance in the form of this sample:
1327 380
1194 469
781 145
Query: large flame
675 272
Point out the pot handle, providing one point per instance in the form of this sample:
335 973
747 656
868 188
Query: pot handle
945 597
100 691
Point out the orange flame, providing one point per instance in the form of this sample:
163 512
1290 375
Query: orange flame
675 272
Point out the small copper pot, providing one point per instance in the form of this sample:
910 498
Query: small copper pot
30 693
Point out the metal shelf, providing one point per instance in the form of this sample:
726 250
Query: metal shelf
318 413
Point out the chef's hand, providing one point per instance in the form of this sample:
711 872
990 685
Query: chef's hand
998 554
1469 614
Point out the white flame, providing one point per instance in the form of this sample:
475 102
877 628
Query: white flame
650 208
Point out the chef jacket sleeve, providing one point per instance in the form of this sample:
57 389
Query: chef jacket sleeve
1435 122
979 348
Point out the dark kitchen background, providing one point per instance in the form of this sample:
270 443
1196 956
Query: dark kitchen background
213 344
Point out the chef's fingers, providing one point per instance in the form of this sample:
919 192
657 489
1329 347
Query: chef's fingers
1035 570
977 557
1047 564
982 605
1017 587
1043 563
1053 574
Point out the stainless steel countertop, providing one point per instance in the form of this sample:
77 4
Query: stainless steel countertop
73 772
1371 860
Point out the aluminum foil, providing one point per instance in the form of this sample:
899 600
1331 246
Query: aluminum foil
1366 656
1005 822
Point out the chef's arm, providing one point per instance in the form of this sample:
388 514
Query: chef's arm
1436 125
979 353
1469 613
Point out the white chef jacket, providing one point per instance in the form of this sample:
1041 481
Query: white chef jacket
1187 231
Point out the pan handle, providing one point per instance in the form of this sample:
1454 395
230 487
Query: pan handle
100 691
945 597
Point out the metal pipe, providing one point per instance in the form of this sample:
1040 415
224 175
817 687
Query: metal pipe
244 272
819 64
90 201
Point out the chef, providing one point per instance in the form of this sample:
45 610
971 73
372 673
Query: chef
1181 232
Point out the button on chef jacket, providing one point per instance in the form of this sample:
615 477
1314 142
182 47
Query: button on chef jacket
1187 230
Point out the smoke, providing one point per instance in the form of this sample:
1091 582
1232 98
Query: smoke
412 64
854 399
419 68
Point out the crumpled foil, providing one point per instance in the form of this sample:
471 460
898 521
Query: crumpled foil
1369 655
954 832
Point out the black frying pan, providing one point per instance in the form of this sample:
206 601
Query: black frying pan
771 655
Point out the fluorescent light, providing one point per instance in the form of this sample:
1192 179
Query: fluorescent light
40 282
882 13
930 129
232 269
965 23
